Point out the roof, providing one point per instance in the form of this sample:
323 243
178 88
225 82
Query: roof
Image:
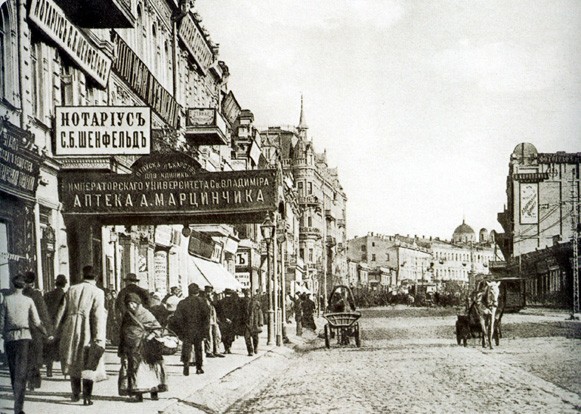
463 229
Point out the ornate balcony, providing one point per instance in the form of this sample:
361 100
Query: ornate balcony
205 126
309 200
309 232
329 215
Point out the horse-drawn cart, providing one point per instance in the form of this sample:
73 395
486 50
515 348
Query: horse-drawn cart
342 318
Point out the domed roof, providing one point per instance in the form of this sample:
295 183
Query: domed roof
463 229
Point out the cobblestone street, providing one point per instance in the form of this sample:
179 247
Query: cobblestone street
413 364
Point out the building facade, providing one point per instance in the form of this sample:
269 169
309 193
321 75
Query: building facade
540 222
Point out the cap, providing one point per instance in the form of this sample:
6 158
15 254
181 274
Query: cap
131 277
61 280
208 288
193 288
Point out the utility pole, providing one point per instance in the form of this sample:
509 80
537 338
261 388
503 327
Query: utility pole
575 242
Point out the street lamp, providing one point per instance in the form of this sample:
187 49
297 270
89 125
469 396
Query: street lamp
267 231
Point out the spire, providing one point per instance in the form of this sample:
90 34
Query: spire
302 123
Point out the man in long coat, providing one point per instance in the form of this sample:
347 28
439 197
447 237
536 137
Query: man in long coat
251 321
35 358
227 310
82 320
53 300
191 322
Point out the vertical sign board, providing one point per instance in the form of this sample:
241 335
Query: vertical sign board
102 130
529 203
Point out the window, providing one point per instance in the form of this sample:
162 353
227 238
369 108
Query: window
373 244
310 188
311 258
363 248
9 81
387 257
301 189
373 257
302 253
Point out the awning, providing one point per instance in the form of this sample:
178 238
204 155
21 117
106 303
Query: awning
204 272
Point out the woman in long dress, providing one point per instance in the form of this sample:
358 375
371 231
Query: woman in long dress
141 372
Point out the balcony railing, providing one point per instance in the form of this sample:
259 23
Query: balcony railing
340 222
309 200
205 126
309 231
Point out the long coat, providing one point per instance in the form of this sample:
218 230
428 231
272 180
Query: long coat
251 318
191 320
82 320
53 300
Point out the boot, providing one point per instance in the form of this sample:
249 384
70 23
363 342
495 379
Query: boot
186 371
49 369
76 388
87 392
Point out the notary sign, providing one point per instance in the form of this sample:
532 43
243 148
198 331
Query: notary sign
162 185
102 130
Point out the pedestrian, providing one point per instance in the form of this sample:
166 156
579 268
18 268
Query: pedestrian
131 286
212 342
171 301
53 300
17 315
112 315
298 310
227 311
251 321
191 322
158 309
35 359
308 307
142 368
82 320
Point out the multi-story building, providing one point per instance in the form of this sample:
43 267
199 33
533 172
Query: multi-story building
539 221
90 90
321 201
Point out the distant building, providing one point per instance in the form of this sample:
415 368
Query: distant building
541 189
419 259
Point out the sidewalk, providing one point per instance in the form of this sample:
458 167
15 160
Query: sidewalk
225 380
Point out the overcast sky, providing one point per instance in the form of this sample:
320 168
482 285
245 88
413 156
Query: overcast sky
418 103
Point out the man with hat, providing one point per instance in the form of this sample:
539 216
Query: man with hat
17 315
35 359
131 286
191 322
83 320
227 311
53 300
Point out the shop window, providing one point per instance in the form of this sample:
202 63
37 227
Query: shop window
4 268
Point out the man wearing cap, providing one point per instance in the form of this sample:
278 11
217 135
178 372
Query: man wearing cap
35 359
53 300
83 320
191 322
131 286
251 321
17 315
227 311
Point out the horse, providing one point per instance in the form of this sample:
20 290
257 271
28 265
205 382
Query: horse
485 309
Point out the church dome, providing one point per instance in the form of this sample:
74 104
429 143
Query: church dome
463 233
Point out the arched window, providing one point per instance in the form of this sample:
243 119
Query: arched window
9 82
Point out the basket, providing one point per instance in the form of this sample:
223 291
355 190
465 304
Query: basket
342 319
167 344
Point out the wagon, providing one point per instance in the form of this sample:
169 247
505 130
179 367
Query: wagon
342 318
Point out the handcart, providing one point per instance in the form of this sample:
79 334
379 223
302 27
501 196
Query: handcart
342 318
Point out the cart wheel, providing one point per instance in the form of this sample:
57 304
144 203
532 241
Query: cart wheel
357 337
327 337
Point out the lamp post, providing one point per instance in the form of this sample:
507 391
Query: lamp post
281 300
267 231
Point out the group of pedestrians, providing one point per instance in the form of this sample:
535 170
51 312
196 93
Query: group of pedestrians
74 326
304 309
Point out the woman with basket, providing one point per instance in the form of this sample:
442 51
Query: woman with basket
142 367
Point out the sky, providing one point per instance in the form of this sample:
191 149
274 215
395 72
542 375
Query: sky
419 104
